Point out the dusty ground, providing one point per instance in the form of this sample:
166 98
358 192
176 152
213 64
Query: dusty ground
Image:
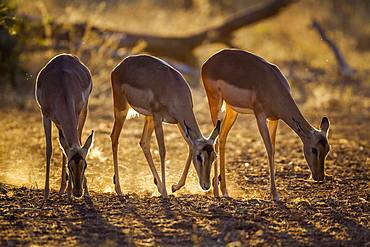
332 213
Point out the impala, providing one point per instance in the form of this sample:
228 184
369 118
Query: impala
249 84
154 89
62 90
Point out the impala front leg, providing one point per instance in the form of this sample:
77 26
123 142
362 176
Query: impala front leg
228 122
119 119
81 123
216 180
272 127
85 188
265 133
69 187
182 181
63 182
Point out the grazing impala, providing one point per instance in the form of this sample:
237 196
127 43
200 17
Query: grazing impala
153 88
62 90
249 84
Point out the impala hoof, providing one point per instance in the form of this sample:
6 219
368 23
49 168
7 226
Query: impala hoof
62 191
63 188
118 191
87 196
224 192
159 190
215 192
164 195
43 203
174 188
46 195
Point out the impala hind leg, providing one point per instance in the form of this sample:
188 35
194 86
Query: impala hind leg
48 151
182 180
228 122
119 119
162 152
145 145
265 133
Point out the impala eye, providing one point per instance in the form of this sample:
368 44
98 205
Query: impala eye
314 151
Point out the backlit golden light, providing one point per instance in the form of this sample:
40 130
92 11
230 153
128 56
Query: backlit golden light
185 33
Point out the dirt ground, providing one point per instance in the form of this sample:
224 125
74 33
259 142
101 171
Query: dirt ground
332 213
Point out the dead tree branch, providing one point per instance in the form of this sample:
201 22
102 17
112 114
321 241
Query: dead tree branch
344 69
177 48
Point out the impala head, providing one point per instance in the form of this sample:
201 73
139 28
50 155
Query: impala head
316 148
204 155
76 162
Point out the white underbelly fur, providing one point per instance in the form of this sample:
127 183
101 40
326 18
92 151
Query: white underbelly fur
134 111
243 110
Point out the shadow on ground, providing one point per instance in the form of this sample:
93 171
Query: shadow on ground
106 219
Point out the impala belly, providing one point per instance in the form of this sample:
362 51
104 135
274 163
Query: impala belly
143 102
241 100
138 99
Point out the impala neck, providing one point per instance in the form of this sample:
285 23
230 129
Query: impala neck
69 126
71 136
295 120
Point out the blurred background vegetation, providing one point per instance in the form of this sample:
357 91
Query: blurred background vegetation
286 39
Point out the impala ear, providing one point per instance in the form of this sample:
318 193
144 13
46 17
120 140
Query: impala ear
325 124
63 143
215 131
89 141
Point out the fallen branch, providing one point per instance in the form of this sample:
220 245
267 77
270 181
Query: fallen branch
177 48
344 69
